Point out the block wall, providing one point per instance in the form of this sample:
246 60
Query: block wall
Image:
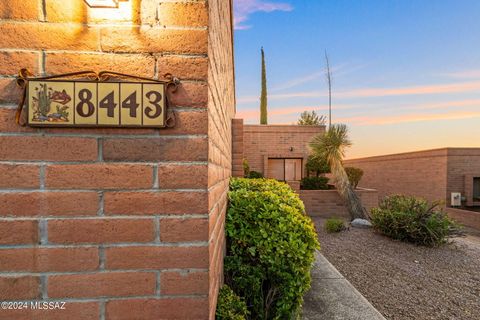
237 148
422 173
275 141
119 223
221 110
463 165
328 203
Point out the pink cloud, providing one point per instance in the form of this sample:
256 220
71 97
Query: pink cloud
244 8
470 86
408 118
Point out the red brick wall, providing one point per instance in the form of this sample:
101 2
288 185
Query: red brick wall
327 203
422 173
237 148
120 223
221 109
263 141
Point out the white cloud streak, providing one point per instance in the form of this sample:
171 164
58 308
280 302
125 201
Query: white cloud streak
244 8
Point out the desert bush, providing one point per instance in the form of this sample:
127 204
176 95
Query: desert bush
316 165
230 306
334 225
270 247
414 220
314 183
254 175
354 175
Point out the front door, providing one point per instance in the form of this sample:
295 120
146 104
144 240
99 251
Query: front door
285 169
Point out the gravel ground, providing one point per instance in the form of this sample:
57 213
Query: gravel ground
405 281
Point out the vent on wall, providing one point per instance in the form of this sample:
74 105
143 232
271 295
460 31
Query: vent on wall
456 199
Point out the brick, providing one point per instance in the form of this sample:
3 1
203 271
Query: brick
9 91
66 36
17 288
178 283
153 39
188 122
190 95
18 232
49 204
66 11
19 176
154 149
183 14
111 284
12 62
7 121
171 176
100 230
156 257
134 64
183 230
48 148
19 9
73 310
195 68
99 176
49 259
141 203
158 309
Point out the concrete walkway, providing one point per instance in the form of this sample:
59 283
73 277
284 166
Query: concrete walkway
332 297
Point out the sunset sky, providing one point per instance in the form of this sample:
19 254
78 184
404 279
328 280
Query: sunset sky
406 73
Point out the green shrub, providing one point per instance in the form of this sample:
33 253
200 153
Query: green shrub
254 175
246 168
230 306
334 225
270 247
354 175
317 166
314 183
280 189
413 220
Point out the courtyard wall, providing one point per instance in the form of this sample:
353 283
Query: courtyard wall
120 223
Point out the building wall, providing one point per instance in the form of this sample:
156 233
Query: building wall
119 223
221 110
422 173
274 141
328 203
237 148
463 166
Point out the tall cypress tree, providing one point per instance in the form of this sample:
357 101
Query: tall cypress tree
263 97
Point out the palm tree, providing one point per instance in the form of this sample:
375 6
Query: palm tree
331 147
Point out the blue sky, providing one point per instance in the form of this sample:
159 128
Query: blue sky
406 73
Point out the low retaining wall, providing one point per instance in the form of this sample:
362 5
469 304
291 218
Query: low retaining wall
467 218
327 203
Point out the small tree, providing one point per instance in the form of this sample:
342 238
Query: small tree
310 118
316 165
263 97
354 175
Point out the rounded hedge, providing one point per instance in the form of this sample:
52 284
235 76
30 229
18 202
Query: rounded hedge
270 247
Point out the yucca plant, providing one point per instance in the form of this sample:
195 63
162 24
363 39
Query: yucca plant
331 146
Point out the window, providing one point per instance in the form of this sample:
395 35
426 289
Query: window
476 189
285 169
